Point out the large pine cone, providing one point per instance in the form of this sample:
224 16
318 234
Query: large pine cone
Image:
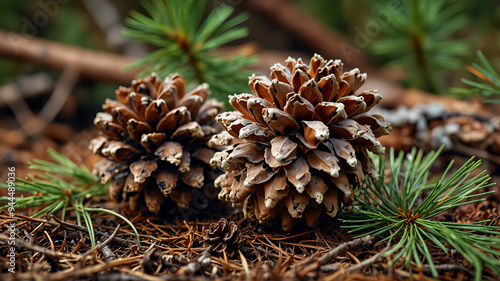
302 135
154 140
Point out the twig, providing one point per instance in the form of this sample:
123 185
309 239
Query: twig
25 87
344 247
312 263
107 254
310 259
470 151
77 273
329 268
98 248
28 235
139 275
367 262
447 267
107 17
37 123
21 244
62 91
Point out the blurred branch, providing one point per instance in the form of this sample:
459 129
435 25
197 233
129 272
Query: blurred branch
31 124
326 42
37 124
25 87
96 65
109 21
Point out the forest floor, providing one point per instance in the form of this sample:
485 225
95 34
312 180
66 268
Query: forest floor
51 249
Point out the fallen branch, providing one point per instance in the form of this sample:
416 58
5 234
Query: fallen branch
78 273
25 87
373 259
35 124
311 32
312 263
97 65
447 268
98 248
342 248
21 244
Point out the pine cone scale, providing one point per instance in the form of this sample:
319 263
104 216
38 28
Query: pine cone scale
173 119
298 107
298 173
155 111
315 132
296 203
257 174
283 149
142 169
166 181
170 151
316 188
275 189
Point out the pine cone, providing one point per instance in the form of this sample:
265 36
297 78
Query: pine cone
223 236
154 140
302 135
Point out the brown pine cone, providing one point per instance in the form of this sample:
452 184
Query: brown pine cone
223 236
302 135
154 138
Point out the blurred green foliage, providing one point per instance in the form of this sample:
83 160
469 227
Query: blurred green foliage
330 13
440 26
448 32
419 37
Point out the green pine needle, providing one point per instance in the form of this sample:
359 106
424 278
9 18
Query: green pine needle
187 42
401 209
488 85
60 187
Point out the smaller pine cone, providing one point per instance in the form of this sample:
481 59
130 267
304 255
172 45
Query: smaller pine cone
299 142
223 236
154 138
